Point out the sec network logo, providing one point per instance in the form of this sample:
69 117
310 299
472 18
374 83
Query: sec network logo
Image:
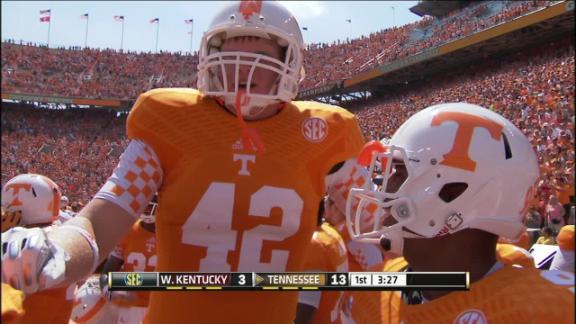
133 279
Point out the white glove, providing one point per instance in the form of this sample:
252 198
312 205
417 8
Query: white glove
31 262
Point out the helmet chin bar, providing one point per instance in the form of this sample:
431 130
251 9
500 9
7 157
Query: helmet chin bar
393 212
399 210
217 83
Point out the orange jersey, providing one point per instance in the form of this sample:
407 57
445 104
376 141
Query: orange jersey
223 207
327 253
12 304
138 250
49 306
509 295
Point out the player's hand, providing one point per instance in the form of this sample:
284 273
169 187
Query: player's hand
30 262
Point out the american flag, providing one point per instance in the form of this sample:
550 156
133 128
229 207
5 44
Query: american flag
45 15
84 16
155 20
189 21
119 18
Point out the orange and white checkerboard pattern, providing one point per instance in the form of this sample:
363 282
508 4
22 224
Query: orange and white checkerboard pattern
135 180
351 175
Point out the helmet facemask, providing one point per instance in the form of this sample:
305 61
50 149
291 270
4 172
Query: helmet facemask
224 74
373 214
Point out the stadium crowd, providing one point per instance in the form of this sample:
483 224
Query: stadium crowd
116 74
77 148
87 142
535 89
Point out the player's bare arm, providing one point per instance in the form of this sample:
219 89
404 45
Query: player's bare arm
106 221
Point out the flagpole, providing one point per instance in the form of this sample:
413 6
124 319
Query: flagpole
122 37
393 17
86 35
191 30
157 32
49 23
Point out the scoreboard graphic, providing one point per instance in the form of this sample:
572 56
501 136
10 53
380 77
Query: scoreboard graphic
289 281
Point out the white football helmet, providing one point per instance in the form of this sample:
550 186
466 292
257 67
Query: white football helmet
465 167
35 196
149 214
265 19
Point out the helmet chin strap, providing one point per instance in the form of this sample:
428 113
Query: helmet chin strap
250 137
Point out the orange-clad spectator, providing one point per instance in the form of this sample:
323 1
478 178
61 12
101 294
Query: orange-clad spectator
546 236
554 214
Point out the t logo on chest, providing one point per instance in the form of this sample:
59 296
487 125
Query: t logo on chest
244 159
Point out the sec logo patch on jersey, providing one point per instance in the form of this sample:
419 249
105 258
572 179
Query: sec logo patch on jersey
314 129
471 316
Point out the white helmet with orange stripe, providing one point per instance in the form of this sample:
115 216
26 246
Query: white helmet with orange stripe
263 19
37 198
447 168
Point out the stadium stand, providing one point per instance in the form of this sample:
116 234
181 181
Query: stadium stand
109 73
534 88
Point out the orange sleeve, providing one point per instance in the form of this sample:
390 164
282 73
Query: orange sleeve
48 306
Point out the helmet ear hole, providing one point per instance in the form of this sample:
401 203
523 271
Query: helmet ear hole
451 191
507 149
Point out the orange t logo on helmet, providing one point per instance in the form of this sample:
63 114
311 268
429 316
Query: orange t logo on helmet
458 156
16 188
247 8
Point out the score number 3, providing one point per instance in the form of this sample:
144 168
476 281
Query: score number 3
210 226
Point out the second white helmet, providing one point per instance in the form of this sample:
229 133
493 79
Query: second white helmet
37 197
465 167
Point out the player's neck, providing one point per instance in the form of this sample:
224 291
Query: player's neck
478 265
476 255
265 113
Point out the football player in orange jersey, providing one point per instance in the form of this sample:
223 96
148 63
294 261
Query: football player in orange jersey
457 176
239 168
327 253
33 201
136 252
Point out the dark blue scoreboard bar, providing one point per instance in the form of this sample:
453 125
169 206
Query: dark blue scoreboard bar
191 281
